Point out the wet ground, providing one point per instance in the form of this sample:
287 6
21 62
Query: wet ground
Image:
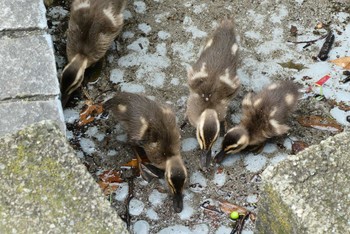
160 39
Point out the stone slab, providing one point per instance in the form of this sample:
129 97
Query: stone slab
27 67
17 115
309 192
22 15
45 189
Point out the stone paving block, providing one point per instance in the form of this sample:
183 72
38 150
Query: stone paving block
22 14
46 189
27 67
17 115
308 193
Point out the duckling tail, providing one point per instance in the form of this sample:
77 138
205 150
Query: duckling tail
72 77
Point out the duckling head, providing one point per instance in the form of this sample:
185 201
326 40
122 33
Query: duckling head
208 129
235 140
72 77
176 175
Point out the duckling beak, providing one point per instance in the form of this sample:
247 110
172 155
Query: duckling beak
178 202
220 156
205 158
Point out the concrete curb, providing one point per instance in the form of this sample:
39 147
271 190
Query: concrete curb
30 89
309 192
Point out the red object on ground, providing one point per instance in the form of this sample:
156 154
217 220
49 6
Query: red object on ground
323 80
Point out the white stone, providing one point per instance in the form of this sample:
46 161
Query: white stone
176 229
136 207
270 148
279 158
200 229
152 214
253 198
117 76
186 212
132 88
189 144
87 145
199 180
70 115
163 35
122 192
219 178
140 7
223 230
254 163
156 198
141 227
144 28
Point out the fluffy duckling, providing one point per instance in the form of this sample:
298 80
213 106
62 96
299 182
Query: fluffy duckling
264 115
93 25
213 82
152 130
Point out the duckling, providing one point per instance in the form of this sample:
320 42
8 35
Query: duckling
213 82
151 129
264 115
93 25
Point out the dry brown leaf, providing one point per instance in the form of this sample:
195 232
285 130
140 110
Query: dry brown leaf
319 122
110 176
341 105
108 188
88 114
298 146
134 163
344 62
228 208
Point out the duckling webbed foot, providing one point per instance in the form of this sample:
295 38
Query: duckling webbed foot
149 172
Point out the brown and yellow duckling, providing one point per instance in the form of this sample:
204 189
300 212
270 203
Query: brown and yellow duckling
264 115
213 82
151 129
93 25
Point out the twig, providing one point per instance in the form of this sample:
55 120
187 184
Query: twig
130 196
239 224
310 41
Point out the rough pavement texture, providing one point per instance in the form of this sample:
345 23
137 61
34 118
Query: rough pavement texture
159 40
309 192
29 89
45 189
22 15
28 67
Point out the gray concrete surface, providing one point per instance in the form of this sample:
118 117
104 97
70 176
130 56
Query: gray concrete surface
28 67
45 189
16 115
309 192
29 89
22 15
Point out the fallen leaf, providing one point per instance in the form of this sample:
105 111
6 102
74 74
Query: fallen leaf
344 62
90 112
108 188
228 208
341 105
220 170
110 176
319 122
298 146
134 163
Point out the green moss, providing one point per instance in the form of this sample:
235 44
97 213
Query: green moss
291 65
274 216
